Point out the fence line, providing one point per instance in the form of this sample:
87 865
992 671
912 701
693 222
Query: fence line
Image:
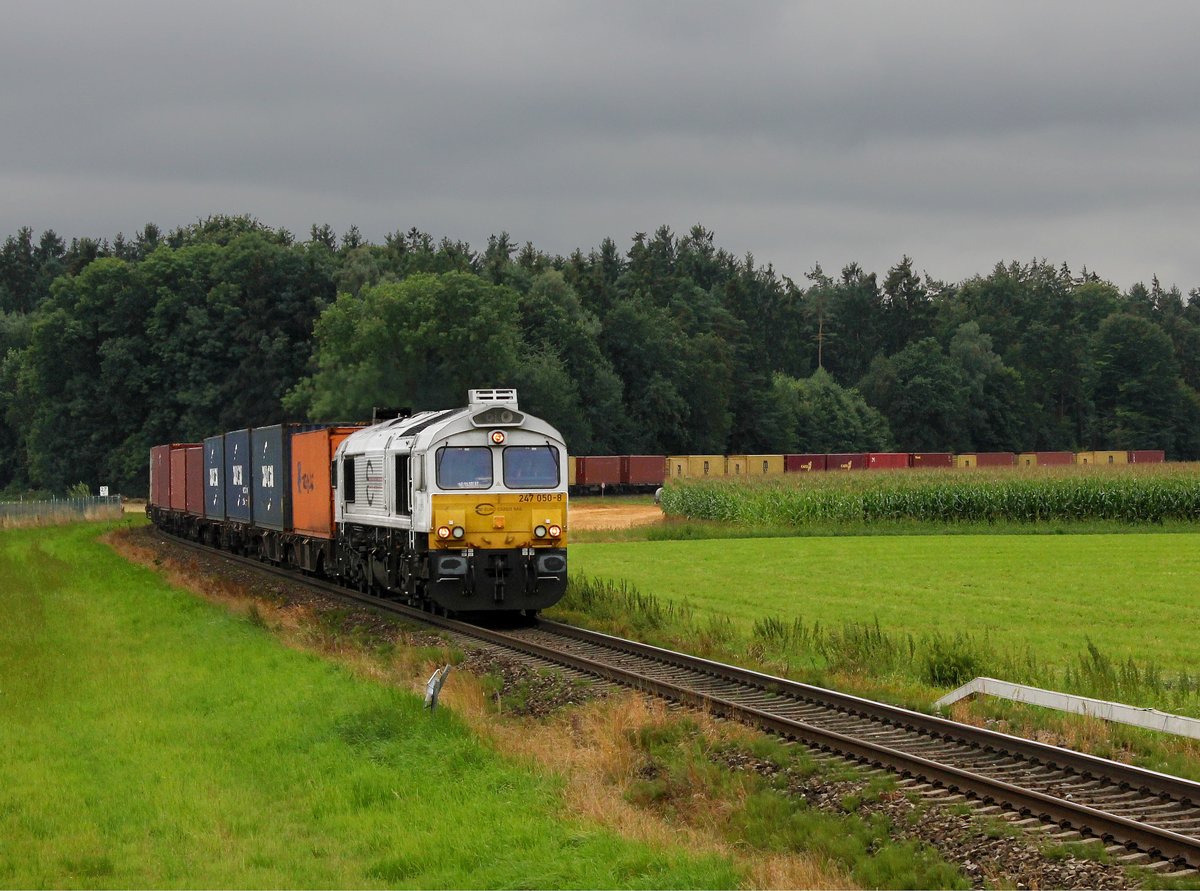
59 509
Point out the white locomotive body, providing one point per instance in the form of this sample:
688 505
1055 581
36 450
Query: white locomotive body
464 508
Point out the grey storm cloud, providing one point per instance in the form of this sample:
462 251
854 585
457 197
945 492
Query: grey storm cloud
958 133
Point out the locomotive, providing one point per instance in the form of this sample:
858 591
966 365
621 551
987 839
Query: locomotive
457 510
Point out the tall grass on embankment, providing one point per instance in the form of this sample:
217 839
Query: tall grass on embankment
151 739
1132 494
49 513
910 669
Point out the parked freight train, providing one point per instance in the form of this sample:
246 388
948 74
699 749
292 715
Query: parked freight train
464 510
631 473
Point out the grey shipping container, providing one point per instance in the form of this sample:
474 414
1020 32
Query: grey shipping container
271 451
237 475
214 472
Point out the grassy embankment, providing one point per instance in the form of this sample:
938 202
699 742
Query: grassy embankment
153 739
343 780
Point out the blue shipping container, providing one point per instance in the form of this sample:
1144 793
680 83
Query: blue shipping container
237 475
214 470
271 451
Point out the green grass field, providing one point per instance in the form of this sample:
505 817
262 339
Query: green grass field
148 738
1130 595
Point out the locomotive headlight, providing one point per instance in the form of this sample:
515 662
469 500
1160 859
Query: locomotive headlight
539 531
555 531
459 531
497 437
443 531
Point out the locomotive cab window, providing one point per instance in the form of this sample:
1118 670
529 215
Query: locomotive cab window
348 493
402 503
464 467
531 467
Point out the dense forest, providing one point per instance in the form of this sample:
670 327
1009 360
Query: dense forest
671 346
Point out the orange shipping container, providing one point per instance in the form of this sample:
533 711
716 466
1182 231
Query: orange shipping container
312 495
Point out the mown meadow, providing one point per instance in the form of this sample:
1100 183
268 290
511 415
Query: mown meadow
152 739
908 617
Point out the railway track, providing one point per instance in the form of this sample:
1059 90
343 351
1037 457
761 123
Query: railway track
1143 816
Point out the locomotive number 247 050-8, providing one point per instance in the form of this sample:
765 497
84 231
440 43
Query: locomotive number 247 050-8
541 496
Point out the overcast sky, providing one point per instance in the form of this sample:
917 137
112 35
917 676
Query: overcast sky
959 133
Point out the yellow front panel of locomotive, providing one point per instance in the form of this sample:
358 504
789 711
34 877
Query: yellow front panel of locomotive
499 520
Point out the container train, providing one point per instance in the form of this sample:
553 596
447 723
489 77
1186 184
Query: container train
631 473
462 510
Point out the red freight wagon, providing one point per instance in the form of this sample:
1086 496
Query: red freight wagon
1050 459
194 475
598 471
643 470
932 459
995 459
1147 456
160 476
846 461
178 495
887 460
803 463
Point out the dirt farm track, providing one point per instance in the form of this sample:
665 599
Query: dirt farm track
587 516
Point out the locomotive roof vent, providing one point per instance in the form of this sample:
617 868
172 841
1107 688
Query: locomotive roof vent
486 398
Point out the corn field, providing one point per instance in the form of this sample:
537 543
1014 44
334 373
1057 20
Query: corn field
1131 494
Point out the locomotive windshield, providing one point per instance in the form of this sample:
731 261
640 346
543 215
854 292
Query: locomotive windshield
531 467
464 467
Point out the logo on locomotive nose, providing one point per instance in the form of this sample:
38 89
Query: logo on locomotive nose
485 509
